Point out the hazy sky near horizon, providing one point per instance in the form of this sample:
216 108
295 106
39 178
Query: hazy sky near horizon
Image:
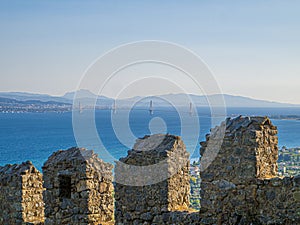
252 47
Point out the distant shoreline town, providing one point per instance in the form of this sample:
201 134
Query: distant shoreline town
33 107
289 161
36 106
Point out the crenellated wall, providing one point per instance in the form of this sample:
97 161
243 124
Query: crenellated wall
239 180
239 184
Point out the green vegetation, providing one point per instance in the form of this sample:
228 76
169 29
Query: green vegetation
195 181
289 161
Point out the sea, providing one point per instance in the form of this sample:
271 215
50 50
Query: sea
35 136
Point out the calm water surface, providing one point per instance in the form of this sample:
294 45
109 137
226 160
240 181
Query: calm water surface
35 136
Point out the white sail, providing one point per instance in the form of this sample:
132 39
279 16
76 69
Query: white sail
151 108
191 109
114 107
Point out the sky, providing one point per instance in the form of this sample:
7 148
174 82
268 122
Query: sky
251 47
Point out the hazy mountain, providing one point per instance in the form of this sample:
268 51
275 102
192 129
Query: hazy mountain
79 94
211 100
236 101
229 101
24 96
86 97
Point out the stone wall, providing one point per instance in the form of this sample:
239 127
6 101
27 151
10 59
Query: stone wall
241 186
278 200
21 199
79 188
152 181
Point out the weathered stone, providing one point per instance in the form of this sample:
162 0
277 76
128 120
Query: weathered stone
224 185
152 202
297 180
78 188
21 194
241 186
297 196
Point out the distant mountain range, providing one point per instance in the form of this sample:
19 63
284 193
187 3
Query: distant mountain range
87 98
24 96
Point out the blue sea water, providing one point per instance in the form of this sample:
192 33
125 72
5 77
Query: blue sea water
35 136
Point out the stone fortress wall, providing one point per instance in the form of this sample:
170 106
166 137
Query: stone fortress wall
167 188
241 185
238 171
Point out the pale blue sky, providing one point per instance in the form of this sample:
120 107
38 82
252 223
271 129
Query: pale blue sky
252 47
